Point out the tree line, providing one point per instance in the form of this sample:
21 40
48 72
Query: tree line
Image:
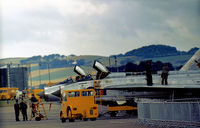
131 67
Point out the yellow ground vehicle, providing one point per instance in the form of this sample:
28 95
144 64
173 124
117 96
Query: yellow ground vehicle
8 93
78 104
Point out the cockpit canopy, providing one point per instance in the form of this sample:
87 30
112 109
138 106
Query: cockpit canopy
102 71
79 71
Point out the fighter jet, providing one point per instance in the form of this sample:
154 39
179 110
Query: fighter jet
122 88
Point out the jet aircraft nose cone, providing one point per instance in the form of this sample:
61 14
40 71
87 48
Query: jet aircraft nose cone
57 93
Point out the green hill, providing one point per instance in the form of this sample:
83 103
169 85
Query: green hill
11 60
154 51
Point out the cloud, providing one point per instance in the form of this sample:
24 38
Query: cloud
96 27
79 7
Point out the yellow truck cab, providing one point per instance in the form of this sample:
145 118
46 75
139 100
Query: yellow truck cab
78 104
8 93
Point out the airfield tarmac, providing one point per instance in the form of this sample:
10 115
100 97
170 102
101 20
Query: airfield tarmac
7 120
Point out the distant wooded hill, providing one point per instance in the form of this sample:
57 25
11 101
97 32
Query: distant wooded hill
155 53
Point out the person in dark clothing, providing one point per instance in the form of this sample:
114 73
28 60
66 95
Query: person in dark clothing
148 73
23 108
198 63
16 107
33 104
164 74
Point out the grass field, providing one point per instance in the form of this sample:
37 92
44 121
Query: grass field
56 75
12 60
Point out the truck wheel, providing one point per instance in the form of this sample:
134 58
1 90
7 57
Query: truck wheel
93 119
61 115
63 120
85 119
69 113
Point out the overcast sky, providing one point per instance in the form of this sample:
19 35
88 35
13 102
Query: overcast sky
96 27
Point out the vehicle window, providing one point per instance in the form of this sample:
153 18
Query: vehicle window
77 94
64 97
87 93
73 94
3 91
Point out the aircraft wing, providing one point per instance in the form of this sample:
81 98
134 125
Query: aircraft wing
144 87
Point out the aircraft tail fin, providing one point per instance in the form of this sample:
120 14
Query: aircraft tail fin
192 63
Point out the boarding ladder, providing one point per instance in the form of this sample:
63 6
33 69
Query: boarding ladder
39 113
97 88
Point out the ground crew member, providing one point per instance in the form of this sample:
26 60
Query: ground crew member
164 74
16 107
33 104
148 73
198 64
23 108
